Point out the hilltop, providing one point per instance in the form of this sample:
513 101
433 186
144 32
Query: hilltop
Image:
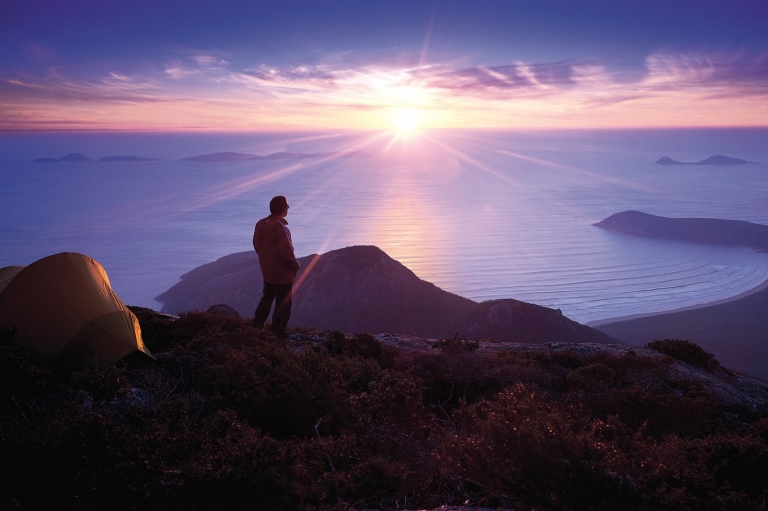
362 289
229 417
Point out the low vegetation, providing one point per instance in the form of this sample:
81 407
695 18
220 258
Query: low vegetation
230 417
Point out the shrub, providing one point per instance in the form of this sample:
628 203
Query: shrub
661 414
456 343
521 450
103 384
687 352
592 377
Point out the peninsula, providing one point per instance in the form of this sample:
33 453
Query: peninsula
711 231
735 330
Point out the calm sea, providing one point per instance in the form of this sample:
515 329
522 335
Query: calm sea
485 214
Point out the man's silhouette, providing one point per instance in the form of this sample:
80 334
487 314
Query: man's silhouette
272 242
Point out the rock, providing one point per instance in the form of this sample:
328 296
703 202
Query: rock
223 310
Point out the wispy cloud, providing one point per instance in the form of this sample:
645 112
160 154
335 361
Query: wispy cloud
202 88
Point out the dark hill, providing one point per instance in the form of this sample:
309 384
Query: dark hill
361 288
736 332
125 158
697 230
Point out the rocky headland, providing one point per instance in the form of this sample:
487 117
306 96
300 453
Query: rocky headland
696 230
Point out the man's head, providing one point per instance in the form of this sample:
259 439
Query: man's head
278 205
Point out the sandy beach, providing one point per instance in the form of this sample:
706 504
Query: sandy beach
628 317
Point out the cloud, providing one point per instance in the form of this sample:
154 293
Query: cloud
673 89
112 88
721 76
518 76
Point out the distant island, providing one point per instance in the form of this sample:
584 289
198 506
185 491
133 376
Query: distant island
125 158
232 157
68 157
80 157
712 160
711 231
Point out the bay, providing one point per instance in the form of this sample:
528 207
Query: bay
484 214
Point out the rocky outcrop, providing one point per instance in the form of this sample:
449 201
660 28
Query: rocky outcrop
223 310
362 289
697 230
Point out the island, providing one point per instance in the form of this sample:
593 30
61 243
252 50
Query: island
712 160
125 158
68 157
229 156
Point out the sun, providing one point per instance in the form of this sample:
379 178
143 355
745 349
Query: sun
405 121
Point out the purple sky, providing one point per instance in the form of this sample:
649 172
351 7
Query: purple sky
242 66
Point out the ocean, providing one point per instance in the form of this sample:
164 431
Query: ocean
484 214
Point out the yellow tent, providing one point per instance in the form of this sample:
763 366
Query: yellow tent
65 312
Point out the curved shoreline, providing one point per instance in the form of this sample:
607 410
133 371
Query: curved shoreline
617 319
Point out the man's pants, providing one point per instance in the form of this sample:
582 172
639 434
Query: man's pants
281 295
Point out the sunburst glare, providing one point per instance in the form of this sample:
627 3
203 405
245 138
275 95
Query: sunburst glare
406 121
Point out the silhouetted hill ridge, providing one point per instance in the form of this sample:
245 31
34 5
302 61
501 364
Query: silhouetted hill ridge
362 289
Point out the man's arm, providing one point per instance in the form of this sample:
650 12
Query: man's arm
255 243
285 249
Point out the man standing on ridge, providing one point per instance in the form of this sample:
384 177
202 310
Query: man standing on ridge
272 242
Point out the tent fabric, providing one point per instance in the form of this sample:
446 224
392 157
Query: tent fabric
65 312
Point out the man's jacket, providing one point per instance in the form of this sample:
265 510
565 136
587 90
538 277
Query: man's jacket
272 241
